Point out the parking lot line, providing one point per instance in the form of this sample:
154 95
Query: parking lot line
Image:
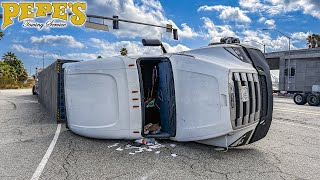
297 111
296 124
37 173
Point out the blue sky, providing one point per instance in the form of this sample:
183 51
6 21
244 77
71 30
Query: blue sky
199 22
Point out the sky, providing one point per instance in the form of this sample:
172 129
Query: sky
199 22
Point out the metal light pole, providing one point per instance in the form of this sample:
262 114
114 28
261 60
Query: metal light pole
289 59
30 70
116 20
264 46
48 53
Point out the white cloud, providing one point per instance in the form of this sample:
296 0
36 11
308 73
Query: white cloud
135 48
57 40
251 4
280 43
23 49
300 35
228 13
147 11
273 7
271 23
262 19
187 32
177 48
217 32
80 56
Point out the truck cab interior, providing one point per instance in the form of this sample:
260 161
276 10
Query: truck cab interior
158 97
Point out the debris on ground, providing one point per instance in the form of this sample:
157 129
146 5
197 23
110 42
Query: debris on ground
174 155
114 145
146 141
152 128
173 145
143 145
119 149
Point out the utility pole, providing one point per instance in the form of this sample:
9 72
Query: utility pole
289 58
48 53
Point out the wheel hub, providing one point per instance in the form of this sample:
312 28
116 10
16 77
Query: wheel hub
299 99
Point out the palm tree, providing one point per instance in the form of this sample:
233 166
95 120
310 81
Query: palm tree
313 40
1 35
124 52
9 56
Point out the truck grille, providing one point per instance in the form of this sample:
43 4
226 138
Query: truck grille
245 99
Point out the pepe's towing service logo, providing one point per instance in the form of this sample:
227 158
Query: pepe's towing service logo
58 13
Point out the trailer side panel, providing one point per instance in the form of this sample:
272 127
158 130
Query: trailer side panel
51 89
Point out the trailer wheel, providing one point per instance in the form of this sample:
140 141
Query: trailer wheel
300 99
313 100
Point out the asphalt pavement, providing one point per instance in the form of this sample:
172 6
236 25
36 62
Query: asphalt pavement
290 150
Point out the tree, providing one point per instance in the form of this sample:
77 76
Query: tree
1 35
313 40
9 56
124 52
99 57
7 71
16 70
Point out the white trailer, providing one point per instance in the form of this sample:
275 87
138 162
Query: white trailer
219 95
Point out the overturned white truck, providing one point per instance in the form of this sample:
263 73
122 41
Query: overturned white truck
218 95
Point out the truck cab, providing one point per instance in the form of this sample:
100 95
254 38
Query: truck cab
219 95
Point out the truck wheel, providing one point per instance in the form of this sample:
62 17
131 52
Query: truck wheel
34 90
300 99
313 100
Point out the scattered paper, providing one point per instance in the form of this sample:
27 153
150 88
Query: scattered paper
114 145
119 149
141 150
173 145
174 155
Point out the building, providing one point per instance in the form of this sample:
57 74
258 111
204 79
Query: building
305 68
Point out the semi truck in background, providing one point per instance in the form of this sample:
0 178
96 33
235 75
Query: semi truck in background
312 98
219 95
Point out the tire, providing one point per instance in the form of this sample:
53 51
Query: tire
313 100
300 99
34 90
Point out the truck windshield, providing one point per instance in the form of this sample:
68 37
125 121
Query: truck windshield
239 53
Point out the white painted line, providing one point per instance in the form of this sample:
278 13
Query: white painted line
296 124
37 173
297 111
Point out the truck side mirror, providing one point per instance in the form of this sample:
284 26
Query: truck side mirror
154 42
151 42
